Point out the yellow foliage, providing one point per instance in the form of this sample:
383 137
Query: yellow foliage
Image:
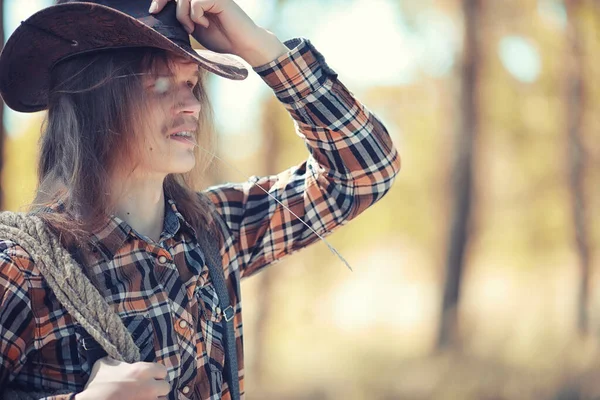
19 175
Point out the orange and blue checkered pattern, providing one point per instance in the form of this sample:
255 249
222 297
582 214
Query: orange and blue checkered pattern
351 164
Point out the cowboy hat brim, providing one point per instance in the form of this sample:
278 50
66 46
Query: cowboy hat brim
59 32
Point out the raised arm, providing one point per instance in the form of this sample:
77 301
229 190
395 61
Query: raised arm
352 163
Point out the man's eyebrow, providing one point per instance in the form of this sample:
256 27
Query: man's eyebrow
171 75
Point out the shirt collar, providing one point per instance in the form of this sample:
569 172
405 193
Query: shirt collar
110 236
114 232
170 211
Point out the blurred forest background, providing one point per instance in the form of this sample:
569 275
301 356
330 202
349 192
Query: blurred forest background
477 276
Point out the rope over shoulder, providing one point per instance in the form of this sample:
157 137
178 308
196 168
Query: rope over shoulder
70 285
86 305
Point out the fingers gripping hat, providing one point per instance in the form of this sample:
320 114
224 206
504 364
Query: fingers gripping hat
61 31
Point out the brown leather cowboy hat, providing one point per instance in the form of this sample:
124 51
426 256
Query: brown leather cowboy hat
73 27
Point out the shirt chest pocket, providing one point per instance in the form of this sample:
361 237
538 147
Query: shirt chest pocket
210 325
138 326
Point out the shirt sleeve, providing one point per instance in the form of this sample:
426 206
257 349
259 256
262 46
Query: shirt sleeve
17 324
16 317
351 164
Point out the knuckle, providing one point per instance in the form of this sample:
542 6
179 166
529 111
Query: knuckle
163 371
196 9
138 370
164 388
199 19
181 8
183 18
105 362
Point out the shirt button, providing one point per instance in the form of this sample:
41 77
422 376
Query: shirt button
162 260
186 389
183 324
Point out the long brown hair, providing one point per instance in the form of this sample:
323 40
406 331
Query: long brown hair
96 106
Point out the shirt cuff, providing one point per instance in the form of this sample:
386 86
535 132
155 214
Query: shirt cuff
298 73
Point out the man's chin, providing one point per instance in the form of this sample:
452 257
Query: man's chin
184 168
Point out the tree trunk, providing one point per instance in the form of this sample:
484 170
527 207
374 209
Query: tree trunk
462 179
272 144
575 103
268 276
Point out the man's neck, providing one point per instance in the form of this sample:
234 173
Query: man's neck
142 206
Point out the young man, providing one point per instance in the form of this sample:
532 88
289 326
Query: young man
128 125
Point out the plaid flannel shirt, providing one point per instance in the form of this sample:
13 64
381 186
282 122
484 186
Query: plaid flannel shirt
351 164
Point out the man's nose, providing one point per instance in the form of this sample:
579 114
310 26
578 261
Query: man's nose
187 103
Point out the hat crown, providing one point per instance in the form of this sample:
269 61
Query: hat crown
70 28
165 21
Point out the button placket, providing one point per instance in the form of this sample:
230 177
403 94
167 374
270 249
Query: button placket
163 257
184 329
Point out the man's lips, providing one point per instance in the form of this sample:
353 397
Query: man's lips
184 139
183 128
189 140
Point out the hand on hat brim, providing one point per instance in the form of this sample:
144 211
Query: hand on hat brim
186 14
218 25
189 16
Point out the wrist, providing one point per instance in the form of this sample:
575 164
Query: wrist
265 48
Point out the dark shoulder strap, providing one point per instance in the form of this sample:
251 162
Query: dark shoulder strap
210 246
